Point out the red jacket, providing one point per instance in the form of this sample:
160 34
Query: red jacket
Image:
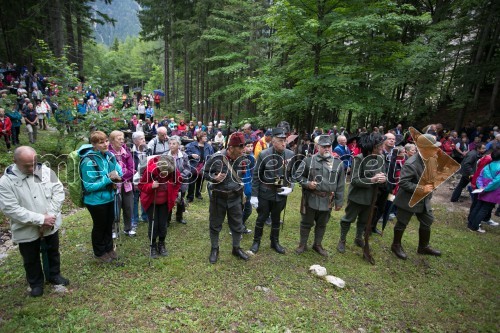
484 161
6 125
165 193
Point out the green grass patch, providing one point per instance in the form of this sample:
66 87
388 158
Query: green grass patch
184 293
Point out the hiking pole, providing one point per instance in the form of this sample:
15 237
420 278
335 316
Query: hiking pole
368 229
117 204
152 229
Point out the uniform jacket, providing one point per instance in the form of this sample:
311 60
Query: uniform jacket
269 168
97 186
25 199
361 189
410 175
329 173
230 183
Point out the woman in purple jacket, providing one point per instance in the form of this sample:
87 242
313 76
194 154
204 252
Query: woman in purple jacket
126 161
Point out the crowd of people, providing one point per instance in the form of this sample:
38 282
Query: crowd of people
168 162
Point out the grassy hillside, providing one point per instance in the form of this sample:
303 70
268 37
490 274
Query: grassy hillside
184 293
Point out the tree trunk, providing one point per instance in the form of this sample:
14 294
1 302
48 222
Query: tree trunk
202 91
70 37
493 99
166 76
79 36
186 79
56 31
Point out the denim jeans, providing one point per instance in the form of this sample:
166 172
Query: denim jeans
135 217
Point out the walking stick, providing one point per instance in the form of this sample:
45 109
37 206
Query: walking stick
116 207
152 229
368 229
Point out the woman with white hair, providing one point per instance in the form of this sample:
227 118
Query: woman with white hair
124 157
183 167
139 151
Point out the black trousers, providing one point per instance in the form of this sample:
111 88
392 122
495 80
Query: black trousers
195 187
460 186
265 208
31 258
103 217
159 227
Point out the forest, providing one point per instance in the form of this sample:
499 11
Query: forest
313 62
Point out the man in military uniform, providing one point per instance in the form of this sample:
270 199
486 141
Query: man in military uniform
224 171
367 177
414 195
271 184
322 179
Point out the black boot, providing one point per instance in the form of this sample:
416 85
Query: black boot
304 235
275 241
344 229
396 244
162 249
214 255
153 253
359 241
259 228
423 243
238 252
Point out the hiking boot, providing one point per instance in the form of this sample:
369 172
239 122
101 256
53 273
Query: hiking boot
105 258
301 248
238 252
318 248
182 221
59 280
113 255
162 249
341 246
36 291
153 252
359 242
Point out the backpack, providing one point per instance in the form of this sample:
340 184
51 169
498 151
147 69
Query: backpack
74 174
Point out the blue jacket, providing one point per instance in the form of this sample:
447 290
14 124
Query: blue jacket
95 168
192 148
81 108
345 155
247 179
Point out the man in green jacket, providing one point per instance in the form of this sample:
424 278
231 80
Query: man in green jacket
414 196
322 179
367 174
